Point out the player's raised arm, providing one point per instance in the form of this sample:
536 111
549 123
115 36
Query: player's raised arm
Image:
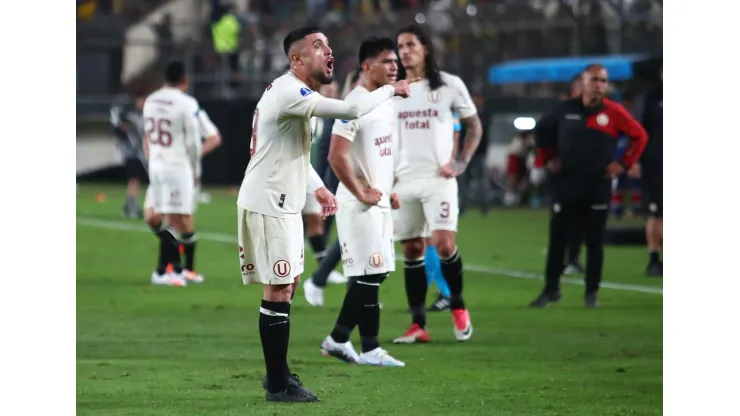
353 109
350 110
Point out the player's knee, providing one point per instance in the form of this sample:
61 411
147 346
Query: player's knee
445 246
413 249
277 293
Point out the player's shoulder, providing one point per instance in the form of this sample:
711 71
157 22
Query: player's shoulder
451 80
613 106
357 92
288 83
448 77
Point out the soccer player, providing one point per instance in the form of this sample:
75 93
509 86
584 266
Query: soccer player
273 192
212 139
173 144
426 177
361 155
313 288
432 265
317 229
127 125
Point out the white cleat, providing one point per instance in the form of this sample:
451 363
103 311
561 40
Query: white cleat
168 279
336 278
314 294
193 277
345 352
379 357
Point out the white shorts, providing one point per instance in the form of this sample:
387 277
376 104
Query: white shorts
171 193
312 205
270 248
149 202
366 239
426 205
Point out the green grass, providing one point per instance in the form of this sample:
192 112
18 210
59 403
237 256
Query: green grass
144 350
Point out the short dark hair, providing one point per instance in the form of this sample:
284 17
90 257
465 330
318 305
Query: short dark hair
297 35
374 46
174 73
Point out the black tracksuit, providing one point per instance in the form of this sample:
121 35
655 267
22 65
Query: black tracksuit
584 140
649 112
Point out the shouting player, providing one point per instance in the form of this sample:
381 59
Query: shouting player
173 144
427 174
361 155
211 140
273 192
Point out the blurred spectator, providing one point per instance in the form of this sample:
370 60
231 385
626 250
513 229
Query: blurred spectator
350 82
127 125
226 31
316 9
517 172
86 9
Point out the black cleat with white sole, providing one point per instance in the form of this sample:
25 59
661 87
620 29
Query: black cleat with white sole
441 304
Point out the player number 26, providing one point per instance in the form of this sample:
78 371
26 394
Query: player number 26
158 131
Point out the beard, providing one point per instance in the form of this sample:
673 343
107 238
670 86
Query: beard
323 78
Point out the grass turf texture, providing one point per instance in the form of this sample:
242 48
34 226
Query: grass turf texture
145 350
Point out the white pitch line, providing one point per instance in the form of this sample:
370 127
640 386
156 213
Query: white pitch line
227 238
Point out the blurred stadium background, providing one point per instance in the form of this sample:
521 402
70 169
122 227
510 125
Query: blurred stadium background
147 351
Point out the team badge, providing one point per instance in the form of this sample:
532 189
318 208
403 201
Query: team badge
376 260
602 119
435 96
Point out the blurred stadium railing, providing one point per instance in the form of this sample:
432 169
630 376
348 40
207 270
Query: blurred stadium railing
123 46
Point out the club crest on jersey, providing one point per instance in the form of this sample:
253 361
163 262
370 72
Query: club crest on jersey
435 96
602 119
306 91
344 121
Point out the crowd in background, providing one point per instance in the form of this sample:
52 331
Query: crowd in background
470 35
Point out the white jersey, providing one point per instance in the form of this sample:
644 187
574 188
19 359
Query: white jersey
427 125
371 152
275 183
172 130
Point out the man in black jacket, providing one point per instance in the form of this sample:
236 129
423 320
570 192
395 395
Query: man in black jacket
649 111
577 140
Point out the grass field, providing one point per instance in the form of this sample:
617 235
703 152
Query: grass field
144 350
